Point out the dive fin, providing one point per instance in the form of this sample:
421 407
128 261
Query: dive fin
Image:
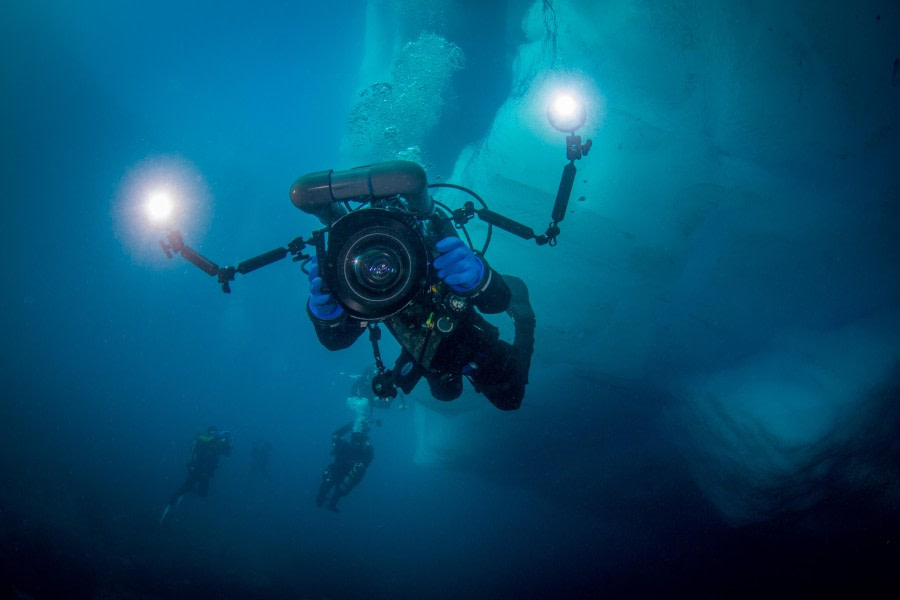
170 507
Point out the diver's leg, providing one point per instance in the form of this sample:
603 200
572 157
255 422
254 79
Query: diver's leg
406 372
335 496
183 489
339 471
332 502
327 482
444 386
501 378
350 481
175 498
523 317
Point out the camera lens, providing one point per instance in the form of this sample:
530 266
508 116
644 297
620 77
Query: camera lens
378 268
376 262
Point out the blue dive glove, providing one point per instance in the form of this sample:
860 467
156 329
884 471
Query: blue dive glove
321 304
458 265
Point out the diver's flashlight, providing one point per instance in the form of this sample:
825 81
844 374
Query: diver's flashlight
566 113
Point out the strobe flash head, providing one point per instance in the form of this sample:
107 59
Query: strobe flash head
375 263
566 113
159 208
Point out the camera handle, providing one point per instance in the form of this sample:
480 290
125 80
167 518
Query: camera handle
383 383
174 244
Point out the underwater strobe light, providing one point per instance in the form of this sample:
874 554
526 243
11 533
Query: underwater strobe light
159 208
566 113
156 195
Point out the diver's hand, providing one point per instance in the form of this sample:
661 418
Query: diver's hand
458 265
321 304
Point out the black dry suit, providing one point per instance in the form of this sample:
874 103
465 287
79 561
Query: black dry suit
351 459
443 337
203 463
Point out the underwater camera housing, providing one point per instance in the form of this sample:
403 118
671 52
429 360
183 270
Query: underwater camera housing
374 264
376 259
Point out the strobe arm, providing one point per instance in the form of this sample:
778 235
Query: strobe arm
262 260
176 244
564 193
506 224
575 150
465 214
225 275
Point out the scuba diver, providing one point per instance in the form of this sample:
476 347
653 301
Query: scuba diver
351 459
398 259
202 465
362 385
441 333
497 369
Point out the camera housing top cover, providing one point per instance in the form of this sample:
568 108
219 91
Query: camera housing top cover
377 258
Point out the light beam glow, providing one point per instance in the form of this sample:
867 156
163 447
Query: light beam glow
566 113
159 207
159 194
564 105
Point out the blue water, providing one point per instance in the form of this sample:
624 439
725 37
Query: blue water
113 358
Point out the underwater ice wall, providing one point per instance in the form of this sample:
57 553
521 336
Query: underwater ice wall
813 418
391 117
733 152
730 237
407 76
739 210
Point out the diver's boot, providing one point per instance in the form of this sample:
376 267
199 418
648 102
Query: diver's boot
523 317
323 493
332 502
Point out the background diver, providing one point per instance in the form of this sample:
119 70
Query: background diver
205 453
351 459
473 348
